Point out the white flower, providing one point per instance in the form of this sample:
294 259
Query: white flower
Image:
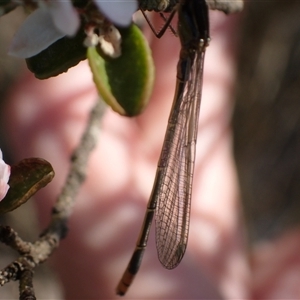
4 177
119 12
52 21
64 16
56 19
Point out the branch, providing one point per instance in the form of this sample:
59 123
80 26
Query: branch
26 285
11 238
33 254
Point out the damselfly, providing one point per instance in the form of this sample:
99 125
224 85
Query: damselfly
170 199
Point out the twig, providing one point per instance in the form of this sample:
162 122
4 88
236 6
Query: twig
26 285
11 238
36 253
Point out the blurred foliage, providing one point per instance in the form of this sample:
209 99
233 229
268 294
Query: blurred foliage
10 67
266 120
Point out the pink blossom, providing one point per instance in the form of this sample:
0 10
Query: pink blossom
4 177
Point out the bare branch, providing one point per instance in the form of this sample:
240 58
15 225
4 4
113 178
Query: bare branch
11 238
36 253
77 174
26 285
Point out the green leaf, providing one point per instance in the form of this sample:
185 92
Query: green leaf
58 57
26 178
125 83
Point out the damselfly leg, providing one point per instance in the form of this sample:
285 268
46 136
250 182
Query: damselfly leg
167 24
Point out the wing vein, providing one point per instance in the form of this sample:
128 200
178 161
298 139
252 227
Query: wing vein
176 165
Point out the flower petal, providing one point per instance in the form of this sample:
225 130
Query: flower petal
65 17
36 34
4 177
118 12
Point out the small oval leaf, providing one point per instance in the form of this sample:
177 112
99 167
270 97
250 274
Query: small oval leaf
27 177
125 83
97 65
